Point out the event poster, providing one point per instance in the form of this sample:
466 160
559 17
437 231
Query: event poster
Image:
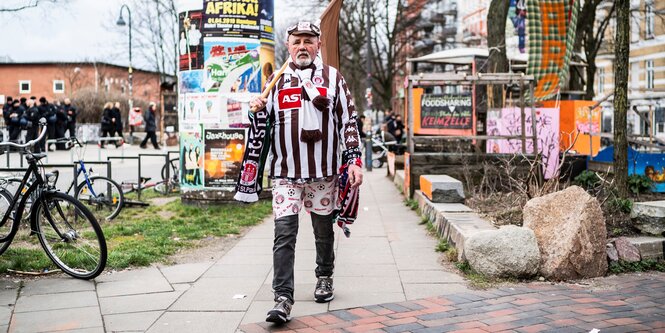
203 108
191 157
239 18
232 65
237 109
439 111
224 149
267 58
190 38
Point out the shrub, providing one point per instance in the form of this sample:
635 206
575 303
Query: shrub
587 179
639 184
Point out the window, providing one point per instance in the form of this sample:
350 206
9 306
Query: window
24 87
650 74
601 80
58 86
635 28
649 21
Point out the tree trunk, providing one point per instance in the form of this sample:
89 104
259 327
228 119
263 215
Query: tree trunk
496 42
590 80
621 55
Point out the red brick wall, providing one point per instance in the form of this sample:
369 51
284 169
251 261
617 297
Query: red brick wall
76 77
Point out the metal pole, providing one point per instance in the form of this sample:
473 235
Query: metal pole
129 70
368 60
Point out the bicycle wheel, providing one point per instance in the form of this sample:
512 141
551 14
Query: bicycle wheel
103 197
13 184
9 226
173 164
70 235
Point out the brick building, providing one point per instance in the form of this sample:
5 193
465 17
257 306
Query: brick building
57 80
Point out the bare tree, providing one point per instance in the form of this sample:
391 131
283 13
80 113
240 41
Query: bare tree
496 41
622 56
27 4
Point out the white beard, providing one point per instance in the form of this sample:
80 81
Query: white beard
303 62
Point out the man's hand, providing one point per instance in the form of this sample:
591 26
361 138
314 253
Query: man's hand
355 175
257 103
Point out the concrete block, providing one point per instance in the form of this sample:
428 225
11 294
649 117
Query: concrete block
649 217
442 188
650 247
456 228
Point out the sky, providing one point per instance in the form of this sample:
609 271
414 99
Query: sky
78 30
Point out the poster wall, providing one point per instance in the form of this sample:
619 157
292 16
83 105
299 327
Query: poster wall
224 149
508 121
226 53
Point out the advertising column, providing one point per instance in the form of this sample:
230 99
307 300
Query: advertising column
226 53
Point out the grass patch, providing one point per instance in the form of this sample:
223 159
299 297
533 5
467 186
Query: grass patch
638 266
476 280
142 236
442 246
411 203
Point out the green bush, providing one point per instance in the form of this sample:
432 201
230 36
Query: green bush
639 184
587 179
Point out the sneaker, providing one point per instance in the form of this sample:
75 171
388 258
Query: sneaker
324 290
281 312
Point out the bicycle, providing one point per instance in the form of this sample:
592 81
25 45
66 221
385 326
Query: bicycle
102 195
67 231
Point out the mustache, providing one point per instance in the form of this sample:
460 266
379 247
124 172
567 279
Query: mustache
302 53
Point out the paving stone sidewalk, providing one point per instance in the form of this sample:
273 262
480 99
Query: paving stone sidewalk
389 260
628 303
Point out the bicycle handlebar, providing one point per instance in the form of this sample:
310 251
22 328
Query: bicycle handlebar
42 125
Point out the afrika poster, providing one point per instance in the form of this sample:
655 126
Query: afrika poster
232 65
224 149
190 38
191 157
239 18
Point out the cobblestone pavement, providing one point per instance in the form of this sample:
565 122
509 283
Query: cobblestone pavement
626 303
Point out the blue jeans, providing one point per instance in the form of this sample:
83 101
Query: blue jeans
283 251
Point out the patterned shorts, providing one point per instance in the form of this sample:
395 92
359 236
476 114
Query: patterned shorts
288 196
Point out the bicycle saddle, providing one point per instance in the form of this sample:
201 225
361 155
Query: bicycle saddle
145 179
35 157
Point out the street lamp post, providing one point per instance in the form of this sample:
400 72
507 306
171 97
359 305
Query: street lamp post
121 22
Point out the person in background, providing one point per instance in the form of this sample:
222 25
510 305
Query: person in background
8 105
60 124
32 116
106 123
116 119
150 116
135 120
13 120
71 113
396 128
361 124
47 111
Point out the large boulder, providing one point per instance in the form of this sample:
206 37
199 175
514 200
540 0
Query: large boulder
570 229
507 252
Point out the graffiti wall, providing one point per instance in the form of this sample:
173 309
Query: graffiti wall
508 121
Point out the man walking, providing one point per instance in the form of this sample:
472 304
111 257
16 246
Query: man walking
71 113
314 126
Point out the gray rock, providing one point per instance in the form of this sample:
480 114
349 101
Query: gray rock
507 252
571 233
626 250
612 253
649 217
